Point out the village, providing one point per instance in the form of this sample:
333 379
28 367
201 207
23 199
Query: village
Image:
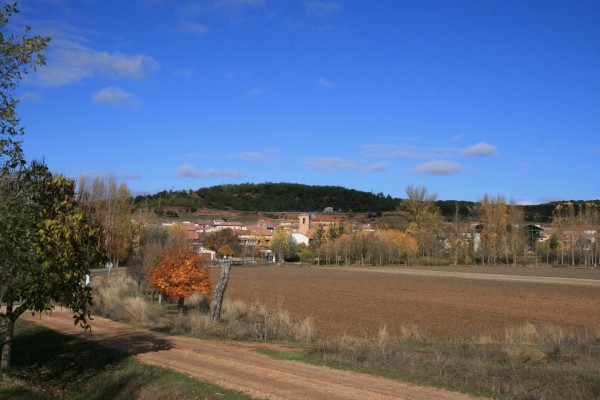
254 238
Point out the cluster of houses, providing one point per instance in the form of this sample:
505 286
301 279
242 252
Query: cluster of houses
257 236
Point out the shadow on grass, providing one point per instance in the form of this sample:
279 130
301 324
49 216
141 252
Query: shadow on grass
48 365
62 364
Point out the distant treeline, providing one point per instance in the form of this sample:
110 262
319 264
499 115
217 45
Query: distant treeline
279 197
272 197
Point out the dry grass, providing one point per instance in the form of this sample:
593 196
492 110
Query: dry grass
243 321
529 361
118 298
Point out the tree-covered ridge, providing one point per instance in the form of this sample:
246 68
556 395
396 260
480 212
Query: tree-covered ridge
272 197
276 197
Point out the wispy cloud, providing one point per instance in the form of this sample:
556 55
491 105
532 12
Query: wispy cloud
239 3
437 168
192 28
322 8
481 149
31 96
130 176
324 83
110 174
189 171
407 151
250 156
458 138
328 163
377 167
255 92
115 97
183 73
196 156
71 62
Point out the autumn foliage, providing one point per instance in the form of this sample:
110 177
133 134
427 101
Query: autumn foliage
180 274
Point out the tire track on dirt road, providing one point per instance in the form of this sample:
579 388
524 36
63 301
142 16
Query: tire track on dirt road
236 365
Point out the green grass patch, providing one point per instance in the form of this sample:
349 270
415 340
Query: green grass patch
49 365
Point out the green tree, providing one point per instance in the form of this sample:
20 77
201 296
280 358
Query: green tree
282 244
19 54
48 244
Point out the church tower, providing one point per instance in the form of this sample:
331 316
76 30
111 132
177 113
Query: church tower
304 224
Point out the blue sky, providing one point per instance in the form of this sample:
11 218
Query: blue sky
464 97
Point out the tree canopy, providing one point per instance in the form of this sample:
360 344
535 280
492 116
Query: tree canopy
180 274
47 244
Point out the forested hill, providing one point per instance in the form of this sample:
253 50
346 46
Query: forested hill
277 197
272 197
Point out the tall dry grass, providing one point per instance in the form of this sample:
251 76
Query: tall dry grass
530 361
119 298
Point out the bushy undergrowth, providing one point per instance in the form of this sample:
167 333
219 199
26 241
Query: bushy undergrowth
118 298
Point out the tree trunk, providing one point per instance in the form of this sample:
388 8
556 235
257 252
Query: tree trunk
8 327
217 302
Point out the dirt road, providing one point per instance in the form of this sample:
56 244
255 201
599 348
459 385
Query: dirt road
238 366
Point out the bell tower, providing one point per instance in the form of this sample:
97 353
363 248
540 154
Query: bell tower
304 224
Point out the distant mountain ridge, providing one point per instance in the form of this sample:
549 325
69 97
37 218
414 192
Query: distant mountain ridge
295 197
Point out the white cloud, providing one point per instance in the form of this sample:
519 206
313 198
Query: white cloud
481 149
438 168
324 83
189 171
328 163
250 156
377 167
115 97
71 62
193 28
322 8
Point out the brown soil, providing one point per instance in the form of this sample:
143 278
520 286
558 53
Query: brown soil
446 302
238 366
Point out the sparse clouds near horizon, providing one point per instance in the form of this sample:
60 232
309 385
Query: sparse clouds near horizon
328 163
481 149
437 168
309 91
189 171
250 156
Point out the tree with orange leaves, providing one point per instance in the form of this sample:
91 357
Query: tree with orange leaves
181 273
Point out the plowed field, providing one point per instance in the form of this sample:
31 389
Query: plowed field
446 302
